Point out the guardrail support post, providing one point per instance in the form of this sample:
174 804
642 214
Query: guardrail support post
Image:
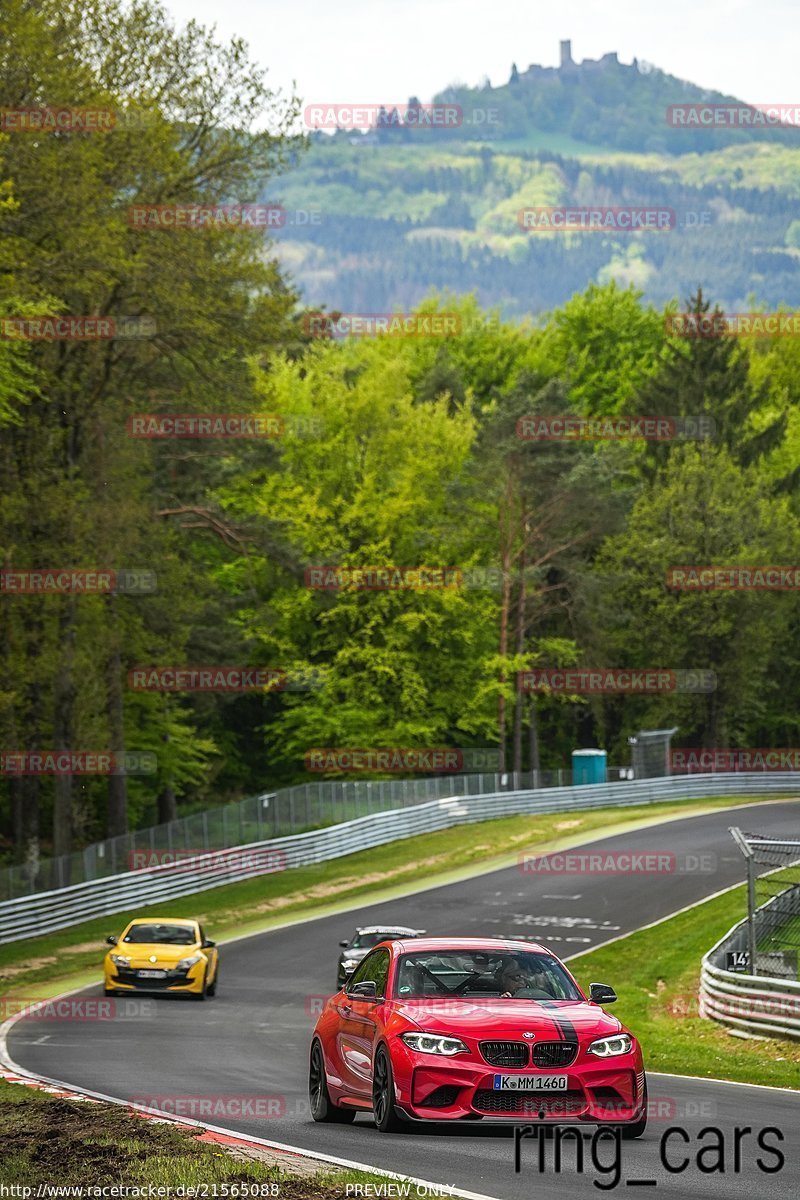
751 914
747 851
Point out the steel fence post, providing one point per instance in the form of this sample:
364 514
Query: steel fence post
751 914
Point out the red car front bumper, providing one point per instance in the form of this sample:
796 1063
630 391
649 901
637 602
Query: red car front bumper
432 1088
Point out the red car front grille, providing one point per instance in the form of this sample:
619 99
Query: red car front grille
505 1054
554 1054
563 1104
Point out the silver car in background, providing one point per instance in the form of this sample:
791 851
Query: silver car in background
364 938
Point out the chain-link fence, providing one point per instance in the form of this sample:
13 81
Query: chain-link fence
257 818
651 752
773 905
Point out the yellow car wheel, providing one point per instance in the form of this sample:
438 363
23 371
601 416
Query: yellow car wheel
201 995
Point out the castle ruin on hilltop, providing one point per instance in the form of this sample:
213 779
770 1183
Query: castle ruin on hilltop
567 66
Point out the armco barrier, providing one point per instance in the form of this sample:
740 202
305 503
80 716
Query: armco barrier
756 1004
277 814
47 911
765 1004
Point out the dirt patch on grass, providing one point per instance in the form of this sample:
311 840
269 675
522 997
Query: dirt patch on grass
85 947
50 1140
30 965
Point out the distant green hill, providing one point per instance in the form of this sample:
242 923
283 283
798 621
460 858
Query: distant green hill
377 220
607 103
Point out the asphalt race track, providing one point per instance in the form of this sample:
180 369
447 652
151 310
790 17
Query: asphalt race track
252 1040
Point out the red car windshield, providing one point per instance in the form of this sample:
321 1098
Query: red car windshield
475 974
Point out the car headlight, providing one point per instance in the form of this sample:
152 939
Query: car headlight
434 1043
610 1046
349 964
185 963
119 960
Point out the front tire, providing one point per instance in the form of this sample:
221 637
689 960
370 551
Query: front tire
322 1107
211 990
385 1113
201 995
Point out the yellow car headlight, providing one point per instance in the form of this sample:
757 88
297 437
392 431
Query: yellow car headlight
119 960
185 963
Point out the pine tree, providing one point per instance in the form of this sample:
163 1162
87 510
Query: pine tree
709 377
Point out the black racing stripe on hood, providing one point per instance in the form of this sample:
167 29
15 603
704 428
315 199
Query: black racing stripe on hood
568 1031
564 1028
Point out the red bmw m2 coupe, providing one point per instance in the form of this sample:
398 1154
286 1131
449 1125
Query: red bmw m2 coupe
448 1029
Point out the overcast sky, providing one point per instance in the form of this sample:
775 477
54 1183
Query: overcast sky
370 51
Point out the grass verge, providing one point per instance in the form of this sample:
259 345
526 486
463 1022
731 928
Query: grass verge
56 1142
656 974
43 966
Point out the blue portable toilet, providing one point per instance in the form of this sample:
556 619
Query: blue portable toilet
588 766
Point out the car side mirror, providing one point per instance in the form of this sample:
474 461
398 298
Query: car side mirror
367 989
208 944
344 944
601 993
112 939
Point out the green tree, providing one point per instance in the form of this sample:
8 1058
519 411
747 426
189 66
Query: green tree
704 509
79 492
604 344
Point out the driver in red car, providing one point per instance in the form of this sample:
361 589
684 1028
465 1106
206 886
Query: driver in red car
513 982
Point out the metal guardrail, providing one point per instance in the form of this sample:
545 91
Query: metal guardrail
268 815
755 1004
46 912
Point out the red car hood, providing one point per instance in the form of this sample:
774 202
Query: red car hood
497 1018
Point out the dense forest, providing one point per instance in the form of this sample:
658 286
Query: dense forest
376 226
368 453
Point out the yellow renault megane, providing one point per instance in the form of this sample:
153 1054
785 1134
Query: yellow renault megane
163 955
